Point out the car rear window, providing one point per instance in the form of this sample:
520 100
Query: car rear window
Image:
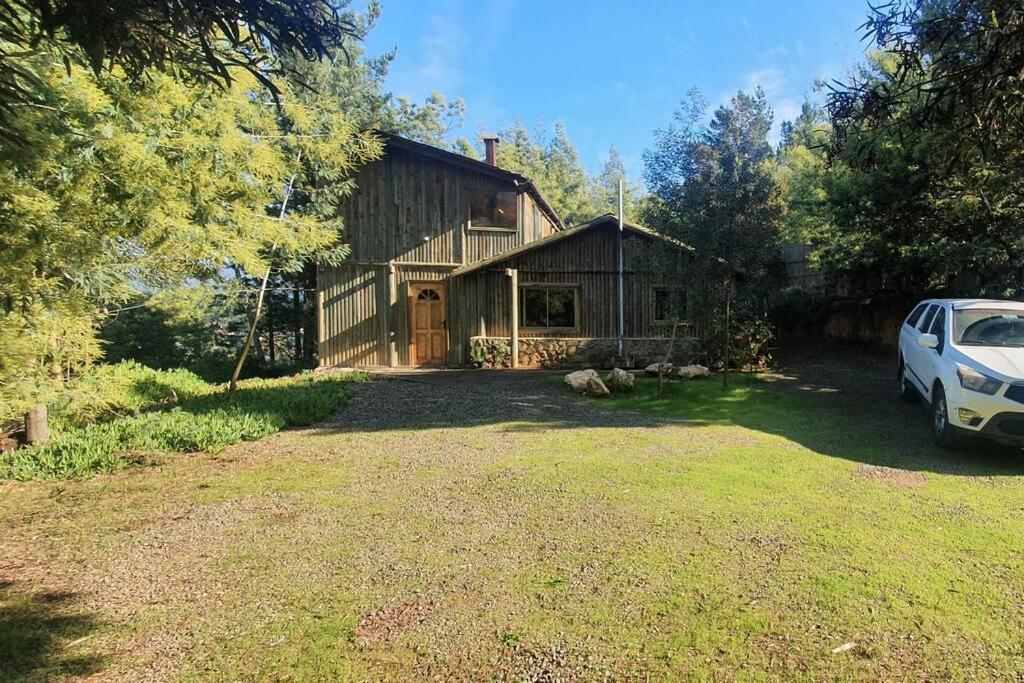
928 317
915 315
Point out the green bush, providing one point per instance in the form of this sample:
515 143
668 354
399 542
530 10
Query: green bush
207 420
126 388
749 335
486 352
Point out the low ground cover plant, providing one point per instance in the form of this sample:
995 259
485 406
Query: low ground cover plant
126 411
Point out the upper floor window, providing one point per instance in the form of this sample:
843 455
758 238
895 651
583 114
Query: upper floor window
495 210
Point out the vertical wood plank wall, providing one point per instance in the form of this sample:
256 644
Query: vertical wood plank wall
410 209
480 301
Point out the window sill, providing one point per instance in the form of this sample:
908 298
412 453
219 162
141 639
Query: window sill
557 330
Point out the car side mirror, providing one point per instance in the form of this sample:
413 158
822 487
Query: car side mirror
928 341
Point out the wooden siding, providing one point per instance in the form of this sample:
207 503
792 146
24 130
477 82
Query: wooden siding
410 207
351 331
410 212
363 313
480 301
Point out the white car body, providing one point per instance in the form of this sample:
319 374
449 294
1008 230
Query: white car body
936 367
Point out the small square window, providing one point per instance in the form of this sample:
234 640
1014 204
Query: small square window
493 210
669 304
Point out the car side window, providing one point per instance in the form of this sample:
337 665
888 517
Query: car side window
938 328
916 315
928 317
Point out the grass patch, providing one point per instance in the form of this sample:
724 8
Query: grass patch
203 418
741 534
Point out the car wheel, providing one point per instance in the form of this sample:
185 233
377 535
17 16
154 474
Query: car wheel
904 388
943 433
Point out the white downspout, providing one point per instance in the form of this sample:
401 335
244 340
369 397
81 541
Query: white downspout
622 287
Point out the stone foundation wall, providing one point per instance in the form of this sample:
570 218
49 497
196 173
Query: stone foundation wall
578 352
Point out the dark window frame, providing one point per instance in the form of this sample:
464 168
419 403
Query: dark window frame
573 287
915 315
487 225
670 289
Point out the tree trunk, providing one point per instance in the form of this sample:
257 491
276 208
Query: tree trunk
668 356
310 334
233 385
297 305
727 340
270 327
37 428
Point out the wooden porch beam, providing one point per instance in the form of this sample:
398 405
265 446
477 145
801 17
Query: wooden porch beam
513 275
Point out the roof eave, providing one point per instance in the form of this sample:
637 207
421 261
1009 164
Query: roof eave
567 232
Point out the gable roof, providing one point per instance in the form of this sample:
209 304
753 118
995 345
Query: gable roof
568 232
519 180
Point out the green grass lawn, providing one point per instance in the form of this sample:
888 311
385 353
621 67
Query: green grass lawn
741 533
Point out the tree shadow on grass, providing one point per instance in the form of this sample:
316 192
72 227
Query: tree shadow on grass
38 632
838 404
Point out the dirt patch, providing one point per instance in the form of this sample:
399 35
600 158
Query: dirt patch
892 476
391 621
549 663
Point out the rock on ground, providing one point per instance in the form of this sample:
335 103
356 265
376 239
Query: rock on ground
595 387
692 371
620 381
578 380
655 368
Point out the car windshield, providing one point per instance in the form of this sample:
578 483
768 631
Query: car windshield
988 327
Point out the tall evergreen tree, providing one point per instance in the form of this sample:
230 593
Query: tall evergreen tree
553 164
122 189
714 185
605 188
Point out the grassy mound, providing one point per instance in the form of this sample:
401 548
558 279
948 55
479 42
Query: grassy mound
171 411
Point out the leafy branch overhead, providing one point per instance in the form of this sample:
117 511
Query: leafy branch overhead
197 41
955 64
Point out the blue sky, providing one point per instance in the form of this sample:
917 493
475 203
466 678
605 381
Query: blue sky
612 72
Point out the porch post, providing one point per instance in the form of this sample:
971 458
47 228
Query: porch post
513 275
391 314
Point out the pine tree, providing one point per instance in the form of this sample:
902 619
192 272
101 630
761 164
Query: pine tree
605 188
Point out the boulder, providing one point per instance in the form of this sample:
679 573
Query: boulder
692 371
620 381
577 381
654 369
595 387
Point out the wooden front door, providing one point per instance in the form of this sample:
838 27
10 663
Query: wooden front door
429 337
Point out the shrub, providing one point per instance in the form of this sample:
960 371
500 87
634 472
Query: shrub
126 388
207 420
749 334
486 352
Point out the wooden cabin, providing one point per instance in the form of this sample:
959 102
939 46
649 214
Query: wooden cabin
453 257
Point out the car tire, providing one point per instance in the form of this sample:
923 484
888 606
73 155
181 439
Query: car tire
905 389
943 432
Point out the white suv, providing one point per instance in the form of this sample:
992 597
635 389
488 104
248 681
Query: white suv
966 358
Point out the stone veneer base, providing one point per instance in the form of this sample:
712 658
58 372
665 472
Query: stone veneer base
587 352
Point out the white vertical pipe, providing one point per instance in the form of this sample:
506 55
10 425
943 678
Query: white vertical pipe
622 286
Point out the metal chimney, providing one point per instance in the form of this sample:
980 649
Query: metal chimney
491 149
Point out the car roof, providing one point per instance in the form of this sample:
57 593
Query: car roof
961 304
